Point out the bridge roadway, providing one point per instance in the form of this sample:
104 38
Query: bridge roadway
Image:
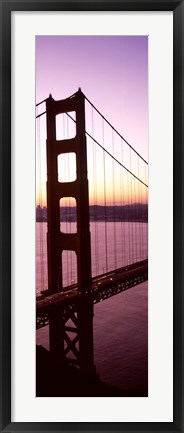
103 287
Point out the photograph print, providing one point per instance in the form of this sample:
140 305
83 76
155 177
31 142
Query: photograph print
91 216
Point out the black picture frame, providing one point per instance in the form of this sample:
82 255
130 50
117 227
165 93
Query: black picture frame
6 7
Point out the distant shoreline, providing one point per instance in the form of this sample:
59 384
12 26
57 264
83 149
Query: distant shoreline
128 213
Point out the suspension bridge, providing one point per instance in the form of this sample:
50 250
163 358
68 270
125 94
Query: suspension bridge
91 231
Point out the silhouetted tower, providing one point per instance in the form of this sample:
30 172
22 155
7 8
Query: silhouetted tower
79 311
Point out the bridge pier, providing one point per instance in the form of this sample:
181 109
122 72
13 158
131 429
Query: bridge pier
71 336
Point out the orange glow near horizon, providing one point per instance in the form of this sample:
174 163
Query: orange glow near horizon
138 196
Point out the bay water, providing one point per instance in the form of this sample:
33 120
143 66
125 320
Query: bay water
120 323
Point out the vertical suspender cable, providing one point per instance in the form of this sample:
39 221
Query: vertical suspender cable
146 200
114 210
128 180
95 199
131 211
136 214
135 225
141 222
123 213
139 198
141 190
121 204
105 202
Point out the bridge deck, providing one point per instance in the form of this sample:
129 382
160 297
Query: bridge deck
103 287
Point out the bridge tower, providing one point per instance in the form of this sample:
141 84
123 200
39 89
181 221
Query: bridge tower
70 329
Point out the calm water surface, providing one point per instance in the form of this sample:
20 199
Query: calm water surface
121 322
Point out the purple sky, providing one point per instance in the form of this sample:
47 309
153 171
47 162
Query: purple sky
112 72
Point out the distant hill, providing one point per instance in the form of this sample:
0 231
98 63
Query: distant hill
133 212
